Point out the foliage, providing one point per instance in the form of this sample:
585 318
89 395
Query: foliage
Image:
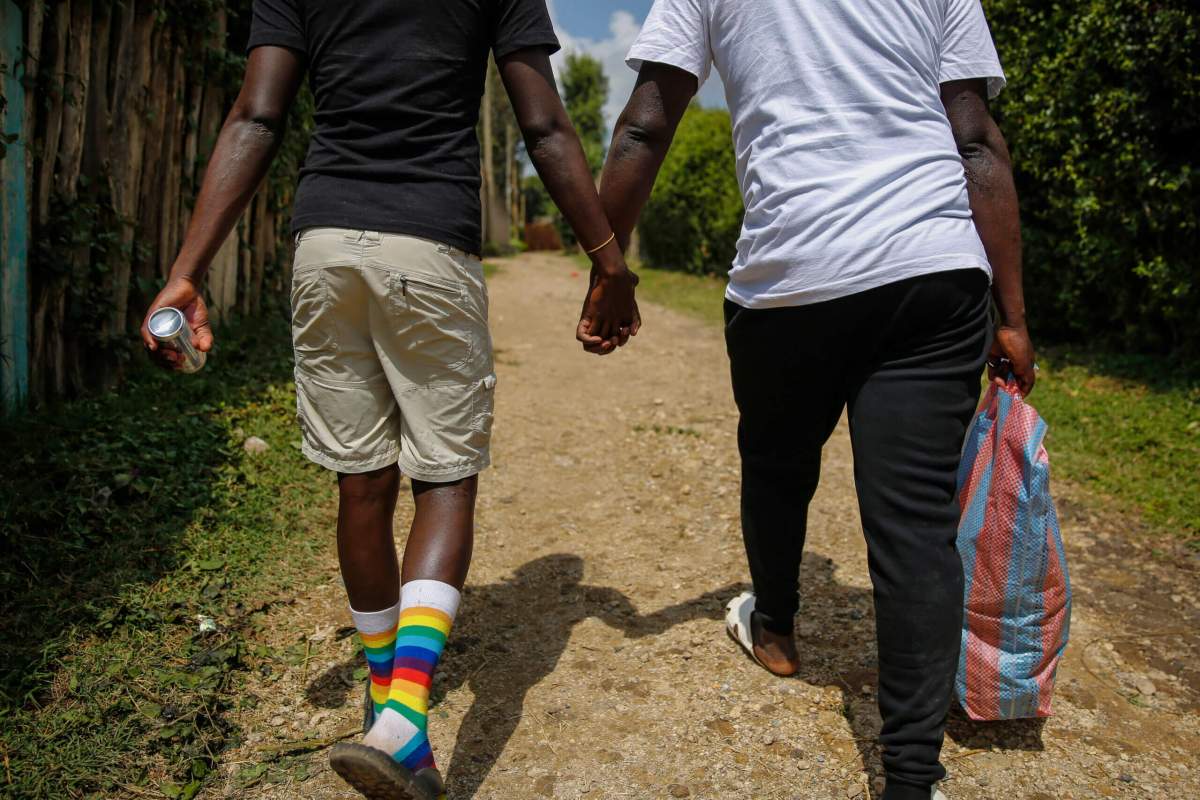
78 248
585 91
694 215
146 513
1102 113
1125 427
5 138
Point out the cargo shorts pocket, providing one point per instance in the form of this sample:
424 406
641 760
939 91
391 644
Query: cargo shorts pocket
484 406
314 330
432 326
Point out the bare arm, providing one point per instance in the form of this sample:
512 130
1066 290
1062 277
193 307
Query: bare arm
640 143
994 206
610 313
245 148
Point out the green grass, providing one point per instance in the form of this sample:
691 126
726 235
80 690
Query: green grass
134 514
1127 428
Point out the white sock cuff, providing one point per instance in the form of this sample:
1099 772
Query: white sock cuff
377 621
430 594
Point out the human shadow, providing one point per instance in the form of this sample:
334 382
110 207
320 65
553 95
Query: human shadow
511 635
836 637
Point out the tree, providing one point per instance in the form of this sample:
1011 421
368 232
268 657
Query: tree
497 126
695 214
585 91
1102 113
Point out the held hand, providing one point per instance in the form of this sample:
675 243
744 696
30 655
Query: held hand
179 293
1012 351
610 312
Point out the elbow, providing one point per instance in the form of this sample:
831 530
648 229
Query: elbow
262 121
984 163
543 130
634 134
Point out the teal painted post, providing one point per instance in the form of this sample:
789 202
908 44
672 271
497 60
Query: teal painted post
14 221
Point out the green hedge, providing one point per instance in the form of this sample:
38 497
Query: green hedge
694 216
1102 112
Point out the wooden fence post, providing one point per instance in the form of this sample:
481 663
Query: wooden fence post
14 219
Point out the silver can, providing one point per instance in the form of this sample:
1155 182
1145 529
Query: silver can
170 328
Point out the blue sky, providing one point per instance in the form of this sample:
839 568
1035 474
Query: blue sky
606 29
590 17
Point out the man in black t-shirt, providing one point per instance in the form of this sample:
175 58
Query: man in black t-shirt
393 358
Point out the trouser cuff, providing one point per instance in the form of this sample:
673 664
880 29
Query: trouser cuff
780 626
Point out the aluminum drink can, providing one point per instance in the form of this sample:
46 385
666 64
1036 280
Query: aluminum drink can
169 327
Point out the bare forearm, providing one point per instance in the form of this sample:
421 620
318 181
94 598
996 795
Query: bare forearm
993 197
629 174
641 140
240 160
559 160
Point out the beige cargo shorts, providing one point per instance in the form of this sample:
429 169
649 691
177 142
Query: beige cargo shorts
393 355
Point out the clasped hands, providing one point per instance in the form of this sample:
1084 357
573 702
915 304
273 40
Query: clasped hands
610 312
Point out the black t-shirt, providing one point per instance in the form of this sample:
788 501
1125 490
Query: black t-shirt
397 85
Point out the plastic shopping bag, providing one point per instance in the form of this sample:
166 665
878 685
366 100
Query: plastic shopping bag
1018 591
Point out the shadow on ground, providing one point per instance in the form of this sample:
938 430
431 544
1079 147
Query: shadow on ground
836 632
511 635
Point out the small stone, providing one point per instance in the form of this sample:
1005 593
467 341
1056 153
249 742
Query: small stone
1146 686
854 791
1125 777
866 689
658 401
879 784
679 790
255 446
276 721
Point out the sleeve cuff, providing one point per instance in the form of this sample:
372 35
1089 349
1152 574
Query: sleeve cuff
278 39
549 44
986 70
672 58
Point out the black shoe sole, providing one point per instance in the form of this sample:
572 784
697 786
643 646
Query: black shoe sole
368 710
376 776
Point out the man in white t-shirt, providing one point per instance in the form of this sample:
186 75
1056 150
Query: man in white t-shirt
880 209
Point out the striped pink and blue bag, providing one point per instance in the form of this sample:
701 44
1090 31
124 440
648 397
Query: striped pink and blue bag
1018 590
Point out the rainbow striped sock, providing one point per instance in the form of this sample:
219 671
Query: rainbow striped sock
377 631
427 610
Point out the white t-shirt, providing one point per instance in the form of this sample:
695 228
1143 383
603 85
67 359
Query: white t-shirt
847 164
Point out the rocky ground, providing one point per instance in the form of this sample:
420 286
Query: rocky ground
589 659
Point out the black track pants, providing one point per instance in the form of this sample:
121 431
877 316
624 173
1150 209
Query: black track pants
905 360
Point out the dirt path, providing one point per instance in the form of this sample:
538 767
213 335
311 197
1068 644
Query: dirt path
589 660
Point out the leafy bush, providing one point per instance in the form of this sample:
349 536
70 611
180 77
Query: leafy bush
1102 112
694 216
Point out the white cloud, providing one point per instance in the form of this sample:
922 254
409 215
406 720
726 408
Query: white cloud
623 29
